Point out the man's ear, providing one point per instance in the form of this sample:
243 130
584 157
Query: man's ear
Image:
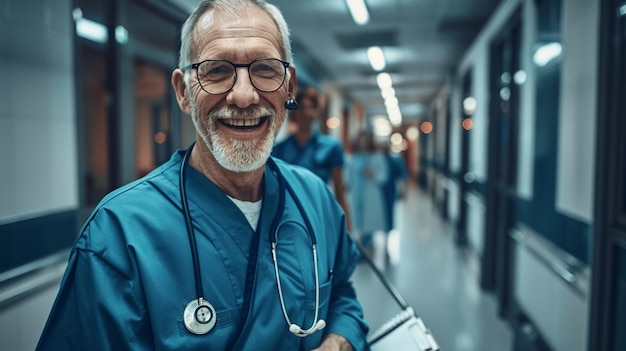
180 88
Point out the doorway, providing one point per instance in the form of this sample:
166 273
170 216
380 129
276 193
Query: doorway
497 261
608 294
128 119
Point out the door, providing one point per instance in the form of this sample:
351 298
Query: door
465 177
608 295
157 119
93 82
155 132
505 79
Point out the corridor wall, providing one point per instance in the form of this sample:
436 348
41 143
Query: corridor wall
38 162
38 176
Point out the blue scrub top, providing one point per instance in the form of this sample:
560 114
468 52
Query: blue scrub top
320 154
130 273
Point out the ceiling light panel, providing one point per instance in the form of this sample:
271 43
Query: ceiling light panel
376 57
358 11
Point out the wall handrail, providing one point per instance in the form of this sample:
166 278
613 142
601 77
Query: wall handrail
567 268
19 283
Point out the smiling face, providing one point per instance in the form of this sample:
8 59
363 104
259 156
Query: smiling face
238 127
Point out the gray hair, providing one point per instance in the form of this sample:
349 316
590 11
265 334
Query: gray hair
230 6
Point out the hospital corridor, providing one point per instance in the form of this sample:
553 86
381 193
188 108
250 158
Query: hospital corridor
439 280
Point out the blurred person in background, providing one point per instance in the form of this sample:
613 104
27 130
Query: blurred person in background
395 186
222 247
366 173
307 147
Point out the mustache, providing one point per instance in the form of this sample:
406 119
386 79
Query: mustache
233 112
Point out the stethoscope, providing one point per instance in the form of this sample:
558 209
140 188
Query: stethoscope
199 315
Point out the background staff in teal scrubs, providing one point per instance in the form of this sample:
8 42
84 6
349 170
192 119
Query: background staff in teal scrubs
307 147
130 274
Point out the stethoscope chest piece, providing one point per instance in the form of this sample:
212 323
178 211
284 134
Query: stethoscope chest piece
199 316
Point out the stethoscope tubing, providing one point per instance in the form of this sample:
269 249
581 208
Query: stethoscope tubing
200 301
281 203
190 232
282 185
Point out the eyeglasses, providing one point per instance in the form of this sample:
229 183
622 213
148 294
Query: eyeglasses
219 76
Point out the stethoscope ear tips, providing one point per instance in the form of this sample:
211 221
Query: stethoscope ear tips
320 324
294 329
297 331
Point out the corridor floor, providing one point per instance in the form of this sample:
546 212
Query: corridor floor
438 280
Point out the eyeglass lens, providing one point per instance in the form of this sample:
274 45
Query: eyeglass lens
218 76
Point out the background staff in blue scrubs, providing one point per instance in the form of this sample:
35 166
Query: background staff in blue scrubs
131 276
307 147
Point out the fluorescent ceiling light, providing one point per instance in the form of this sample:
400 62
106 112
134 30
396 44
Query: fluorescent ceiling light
520 77
97 32
622 10
387 92
391 102
121 35
469 105
358 10
381 126
412 133
395 117
91 30
77 13
377 58
546 53
383 80
396 138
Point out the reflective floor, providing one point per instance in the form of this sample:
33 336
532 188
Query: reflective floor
436 279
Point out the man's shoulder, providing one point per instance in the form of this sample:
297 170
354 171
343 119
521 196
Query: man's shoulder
132 214
142 196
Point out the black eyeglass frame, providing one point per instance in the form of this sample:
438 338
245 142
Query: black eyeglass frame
238 65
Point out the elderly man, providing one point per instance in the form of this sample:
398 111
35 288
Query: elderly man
221 247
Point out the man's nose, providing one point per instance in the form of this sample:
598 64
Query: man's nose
243 94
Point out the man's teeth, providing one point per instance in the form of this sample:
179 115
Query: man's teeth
248 122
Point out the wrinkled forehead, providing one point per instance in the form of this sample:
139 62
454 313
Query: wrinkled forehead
249 21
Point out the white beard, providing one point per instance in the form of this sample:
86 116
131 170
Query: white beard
233 154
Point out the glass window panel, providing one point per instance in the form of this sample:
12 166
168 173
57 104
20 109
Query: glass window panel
94 106
154 42
152 120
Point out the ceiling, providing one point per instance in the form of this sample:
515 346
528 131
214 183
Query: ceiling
422 40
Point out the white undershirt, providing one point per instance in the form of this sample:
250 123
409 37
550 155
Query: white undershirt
252 210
